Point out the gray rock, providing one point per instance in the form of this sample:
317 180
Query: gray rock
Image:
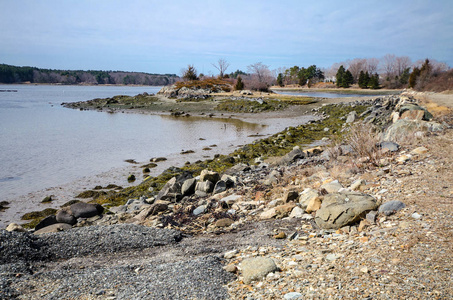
426 115
65 215
199 210
47 221
169 190
292 156
209 175
257 268
230 181
152 210
332 187
341 209
15 227
400 128
53 228
204 186
390 146
293 296
188 187
391 207
220 187
371 216
84 210
352 117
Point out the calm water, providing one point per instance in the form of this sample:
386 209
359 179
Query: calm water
43 144
321 94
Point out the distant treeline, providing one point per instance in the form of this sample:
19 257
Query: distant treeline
14 74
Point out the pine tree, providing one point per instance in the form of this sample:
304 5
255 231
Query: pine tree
280 79
374 82
339 76
239 86
348 79
413 77
364 78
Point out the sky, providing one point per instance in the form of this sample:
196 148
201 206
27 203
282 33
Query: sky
166 36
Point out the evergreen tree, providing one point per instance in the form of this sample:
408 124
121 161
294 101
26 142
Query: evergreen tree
413 77
348 79
239 86
364 79
190 73
280 79
374 82
339 76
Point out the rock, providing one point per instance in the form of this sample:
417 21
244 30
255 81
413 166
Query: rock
257 268
419 151
314 205
371 216
131 177
225 222
151 210
231 268
170 189
400 128
290 196
307 196
403 158
53 228
231 199
292 156
209 175
65 215
15 227
352 117
199 210
414 112
341 209
230 181
416 216
356 184
230 254
84 210
391 207
389 146
47 199
268 214
332 187
204 186
284 210
220 187
279 236
188 187
47 221
297 212
293 296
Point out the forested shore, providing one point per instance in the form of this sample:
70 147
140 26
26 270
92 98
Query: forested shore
13 74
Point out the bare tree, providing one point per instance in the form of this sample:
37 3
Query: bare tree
261 76
388 65
401 64
357 65
372 65
221 65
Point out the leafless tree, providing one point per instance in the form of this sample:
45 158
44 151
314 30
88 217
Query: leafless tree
221 65
389 65
261 76
372 65
401 64
357 65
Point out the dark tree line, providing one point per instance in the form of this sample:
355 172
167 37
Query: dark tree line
13 74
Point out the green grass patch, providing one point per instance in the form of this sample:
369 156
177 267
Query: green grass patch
250 106
210 83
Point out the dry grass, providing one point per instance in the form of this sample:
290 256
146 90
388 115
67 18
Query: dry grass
208 83
363 139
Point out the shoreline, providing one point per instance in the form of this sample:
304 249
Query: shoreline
291 116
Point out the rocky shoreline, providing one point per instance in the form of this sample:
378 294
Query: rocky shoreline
347 220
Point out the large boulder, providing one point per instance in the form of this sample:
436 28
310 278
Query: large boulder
188 187
209 175
65 215
85 210
53 228
205 187
292 156
257 268
341 209
47 221
170 190
391 207
414 112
